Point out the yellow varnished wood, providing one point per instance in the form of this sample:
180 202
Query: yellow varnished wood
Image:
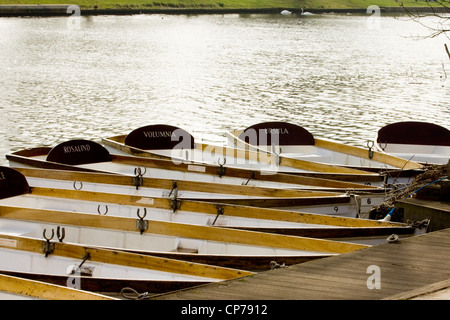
179 230
364 153
182 185
45 291
269 158
118 257
211 208
153 158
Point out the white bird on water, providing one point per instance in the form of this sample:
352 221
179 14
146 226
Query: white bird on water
306 13
286 12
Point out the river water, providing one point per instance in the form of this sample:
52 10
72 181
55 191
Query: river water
342 77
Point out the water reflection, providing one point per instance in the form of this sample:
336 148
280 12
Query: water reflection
207 74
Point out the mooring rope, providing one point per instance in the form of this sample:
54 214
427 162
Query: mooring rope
130 293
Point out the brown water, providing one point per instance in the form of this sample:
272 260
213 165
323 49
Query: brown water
339 76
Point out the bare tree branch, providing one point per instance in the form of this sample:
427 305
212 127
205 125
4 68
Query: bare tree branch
438 26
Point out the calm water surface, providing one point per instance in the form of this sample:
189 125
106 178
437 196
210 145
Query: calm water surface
341 77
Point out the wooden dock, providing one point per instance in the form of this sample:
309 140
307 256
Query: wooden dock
387 271
419 209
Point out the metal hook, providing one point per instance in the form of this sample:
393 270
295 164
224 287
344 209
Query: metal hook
138 171
221 170
45 236
106 210
145 213
142 224
48 247
174 202
138 180
60 233
75 187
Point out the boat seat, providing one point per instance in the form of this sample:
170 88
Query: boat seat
77 152
159 136
414 133
287 134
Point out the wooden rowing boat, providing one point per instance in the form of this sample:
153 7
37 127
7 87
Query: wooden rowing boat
98 269
291 141
422 142
93 157
170 191
169 142
148 236
300 200
18 288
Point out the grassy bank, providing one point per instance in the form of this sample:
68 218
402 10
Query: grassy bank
226 4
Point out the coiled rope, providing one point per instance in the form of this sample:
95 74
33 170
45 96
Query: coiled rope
130 293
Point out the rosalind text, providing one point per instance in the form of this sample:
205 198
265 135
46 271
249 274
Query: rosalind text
78 148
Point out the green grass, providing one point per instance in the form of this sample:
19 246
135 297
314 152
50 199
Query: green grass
230 4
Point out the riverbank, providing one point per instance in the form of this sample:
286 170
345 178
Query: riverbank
109 7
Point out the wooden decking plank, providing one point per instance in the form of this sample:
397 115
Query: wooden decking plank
361 279
411 263
322 286
387 264
390 262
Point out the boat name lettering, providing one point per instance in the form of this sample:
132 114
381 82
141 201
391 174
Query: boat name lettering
159 134
79 148
276 131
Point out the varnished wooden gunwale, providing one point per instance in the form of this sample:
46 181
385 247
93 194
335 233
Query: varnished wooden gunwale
182 185
107 285
212 208
201 206
363 153
287 162
342 234
267 158
119 257
180 230
284 202
38 287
